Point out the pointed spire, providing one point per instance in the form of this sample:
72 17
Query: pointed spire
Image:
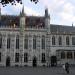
23 14
46 12
23 10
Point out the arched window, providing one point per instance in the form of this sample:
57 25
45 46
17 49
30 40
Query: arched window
17 42
62 55
67 40
53 40
60 40
69 55
43 42
8 42
26 42
34 42
0 41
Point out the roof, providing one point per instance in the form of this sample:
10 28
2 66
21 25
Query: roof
34 21
62 28
31 21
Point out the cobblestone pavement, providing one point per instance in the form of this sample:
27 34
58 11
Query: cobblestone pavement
35 71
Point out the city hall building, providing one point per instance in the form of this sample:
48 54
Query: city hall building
33 41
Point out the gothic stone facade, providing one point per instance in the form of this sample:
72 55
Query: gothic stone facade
32 41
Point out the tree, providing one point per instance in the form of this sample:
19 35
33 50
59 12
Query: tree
13 2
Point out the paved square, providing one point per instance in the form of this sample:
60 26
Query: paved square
35 71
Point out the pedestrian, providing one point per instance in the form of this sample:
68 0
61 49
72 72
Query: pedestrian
67 67
63 66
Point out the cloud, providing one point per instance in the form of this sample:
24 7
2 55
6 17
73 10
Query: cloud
61 11
53 5
30 11
67 14
15 9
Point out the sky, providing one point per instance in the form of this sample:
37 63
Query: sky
62 12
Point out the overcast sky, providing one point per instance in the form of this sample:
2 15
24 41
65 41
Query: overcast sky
61 11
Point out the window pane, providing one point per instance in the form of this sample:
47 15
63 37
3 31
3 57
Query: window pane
25 57
17 42
0 41
67 40
69 55
26 42
73 40
53 40
17 57
60 41
62 55
8 43
34 42
74 55
0 56
43 42
43 58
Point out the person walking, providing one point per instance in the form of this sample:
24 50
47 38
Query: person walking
67 67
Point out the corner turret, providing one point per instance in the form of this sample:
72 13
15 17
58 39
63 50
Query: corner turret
47 20
22 21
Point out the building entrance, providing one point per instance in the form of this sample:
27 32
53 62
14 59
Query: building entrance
7 61
34 62
53 61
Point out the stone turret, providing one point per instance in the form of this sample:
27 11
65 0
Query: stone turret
47 20
22 20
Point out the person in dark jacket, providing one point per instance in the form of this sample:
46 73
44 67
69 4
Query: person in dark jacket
67 67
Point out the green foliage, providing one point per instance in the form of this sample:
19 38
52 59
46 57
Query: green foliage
13 2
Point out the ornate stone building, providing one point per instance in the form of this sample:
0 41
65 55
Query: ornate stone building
33 41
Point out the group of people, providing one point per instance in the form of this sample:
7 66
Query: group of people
66 67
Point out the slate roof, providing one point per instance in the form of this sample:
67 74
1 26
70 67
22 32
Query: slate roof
62 28
9 20
33 21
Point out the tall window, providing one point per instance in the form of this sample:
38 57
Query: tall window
16 57
34 42
25 57
60 40
69 55
17 42
53 40
0 41
67 40
26 42
43 58
8 42
43 42
74 55
73 40
0 56
62 55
